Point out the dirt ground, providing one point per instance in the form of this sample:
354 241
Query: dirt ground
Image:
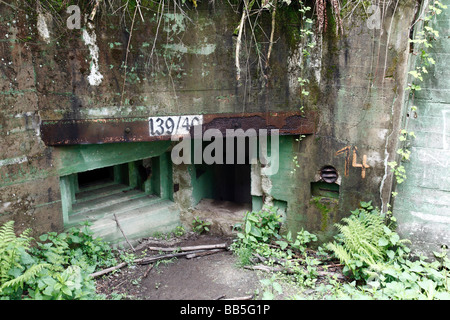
211 277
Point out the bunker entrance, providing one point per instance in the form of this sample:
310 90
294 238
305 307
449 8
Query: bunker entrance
222 190
231 182
228 177
136 193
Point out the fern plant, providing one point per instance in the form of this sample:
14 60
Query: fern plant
17 266
364 241
59 268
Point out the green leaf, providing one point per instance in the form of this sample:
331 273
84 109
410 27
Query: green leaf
427 284
268 295
394 238
417 268
255 231
76 239
277 287
66 291
266 282
383 242
390 254
387 231
248 227
283 244
443 295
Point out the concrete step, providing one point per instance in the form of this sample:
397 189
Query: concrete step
139 214
161 216
106 200
114 208
100 190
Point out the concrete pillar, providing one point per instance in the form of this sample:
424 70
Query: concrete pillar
67 193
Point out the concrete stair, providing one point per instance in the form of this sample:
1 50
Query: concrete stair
139 214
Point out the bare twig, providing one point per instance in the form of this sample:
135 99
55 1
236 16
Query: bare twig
161 12
165 256
94 11
274 12
108 270
126 54
201 254
150 267
241 298
138 5
190 251
118 224
190 248
270 269
238 42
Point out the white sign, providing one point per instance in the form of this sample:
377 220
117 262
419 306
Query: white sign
173 125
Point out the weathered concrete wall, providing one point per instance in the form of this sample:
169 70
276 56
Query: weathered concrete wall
356 87
176 65
423 200
359 98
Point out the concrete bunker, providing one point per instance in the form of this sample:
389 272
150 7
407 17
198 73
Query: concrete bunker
223 192
121 154
135 188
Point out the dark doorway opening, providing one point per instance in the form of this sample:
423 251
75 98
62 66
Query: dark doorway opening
231 182
97 176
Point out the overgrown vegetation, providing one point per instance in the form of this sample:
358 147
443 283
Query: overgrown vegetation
57 267
377 263
200 226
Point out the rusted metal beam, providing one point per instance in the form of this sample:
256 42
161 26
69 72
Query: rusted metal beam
113 130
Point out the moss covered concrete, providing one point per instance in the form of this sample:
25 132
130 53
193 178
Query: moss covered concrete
356 85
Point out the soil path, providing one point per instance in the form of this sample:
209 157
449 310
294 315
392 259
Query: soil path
211 277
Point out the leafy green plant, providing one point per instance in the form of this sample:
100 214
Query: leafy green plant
424 41
364 240
71 284
271 288
17 266
260 226
375 254
75 246
179 231
200 226
59 267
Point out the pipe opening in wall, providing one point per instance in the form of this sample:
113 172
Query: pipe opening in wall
329 174
326 186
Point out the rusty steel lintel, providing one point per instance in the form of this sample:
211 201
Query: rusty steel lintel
113 130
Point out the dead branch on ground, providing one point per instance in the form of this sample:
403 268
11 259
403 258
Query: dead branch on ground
188 252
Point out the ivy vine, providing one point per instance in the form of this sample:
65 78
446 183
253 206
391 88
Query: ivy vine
423 41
